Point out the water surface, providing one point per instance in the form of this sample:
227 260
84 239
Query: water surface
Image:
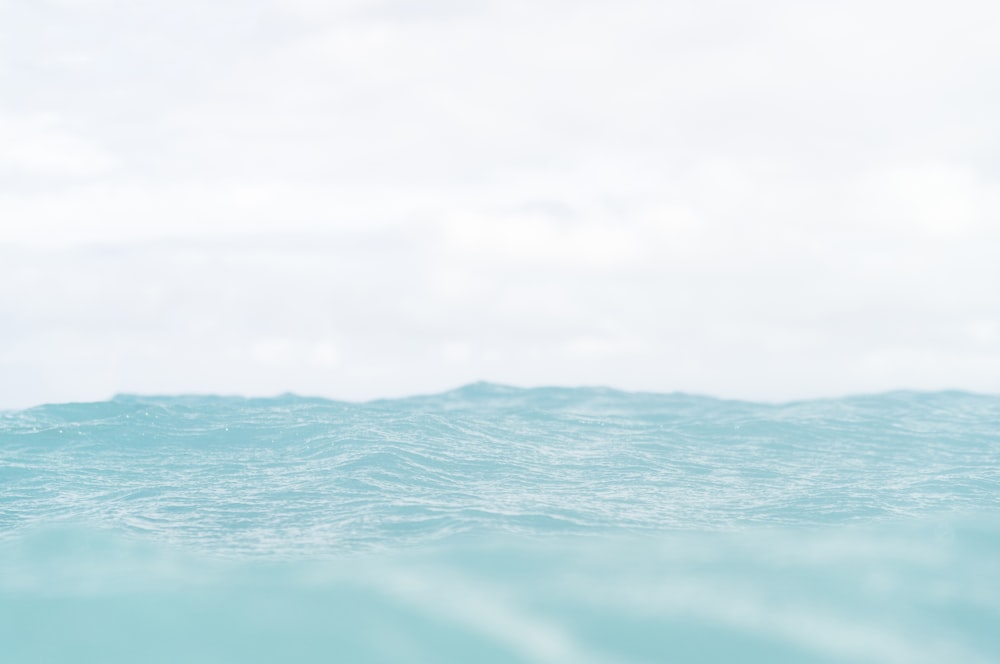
500 524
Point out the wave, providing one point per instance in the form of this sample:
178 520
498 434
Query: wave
493 523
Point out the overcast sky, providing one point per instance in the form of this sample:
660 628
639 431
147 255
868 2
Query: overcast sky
771 200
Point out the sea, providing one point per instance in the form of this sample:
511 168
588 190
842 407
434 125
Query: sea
500 524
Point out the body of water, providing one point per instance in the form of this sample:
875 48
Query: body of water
495 524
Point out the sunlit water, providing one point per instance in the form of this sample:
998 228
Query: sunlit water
493 524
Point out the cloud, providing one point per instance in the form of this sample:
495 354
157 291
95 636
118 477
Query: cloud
366 198
36 146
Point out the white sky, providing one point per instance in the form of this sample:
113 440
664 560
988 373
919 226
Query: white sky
361 199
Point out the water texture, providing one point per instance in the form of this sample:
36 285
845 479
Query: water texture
496 524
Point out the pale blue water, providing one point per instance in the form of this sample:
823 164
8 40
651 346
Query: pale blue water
493 524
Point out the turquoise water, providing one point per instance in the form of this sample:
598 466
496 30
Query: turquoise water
494 524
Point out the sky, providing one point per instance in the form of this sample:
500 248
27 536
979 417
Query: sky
360 199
